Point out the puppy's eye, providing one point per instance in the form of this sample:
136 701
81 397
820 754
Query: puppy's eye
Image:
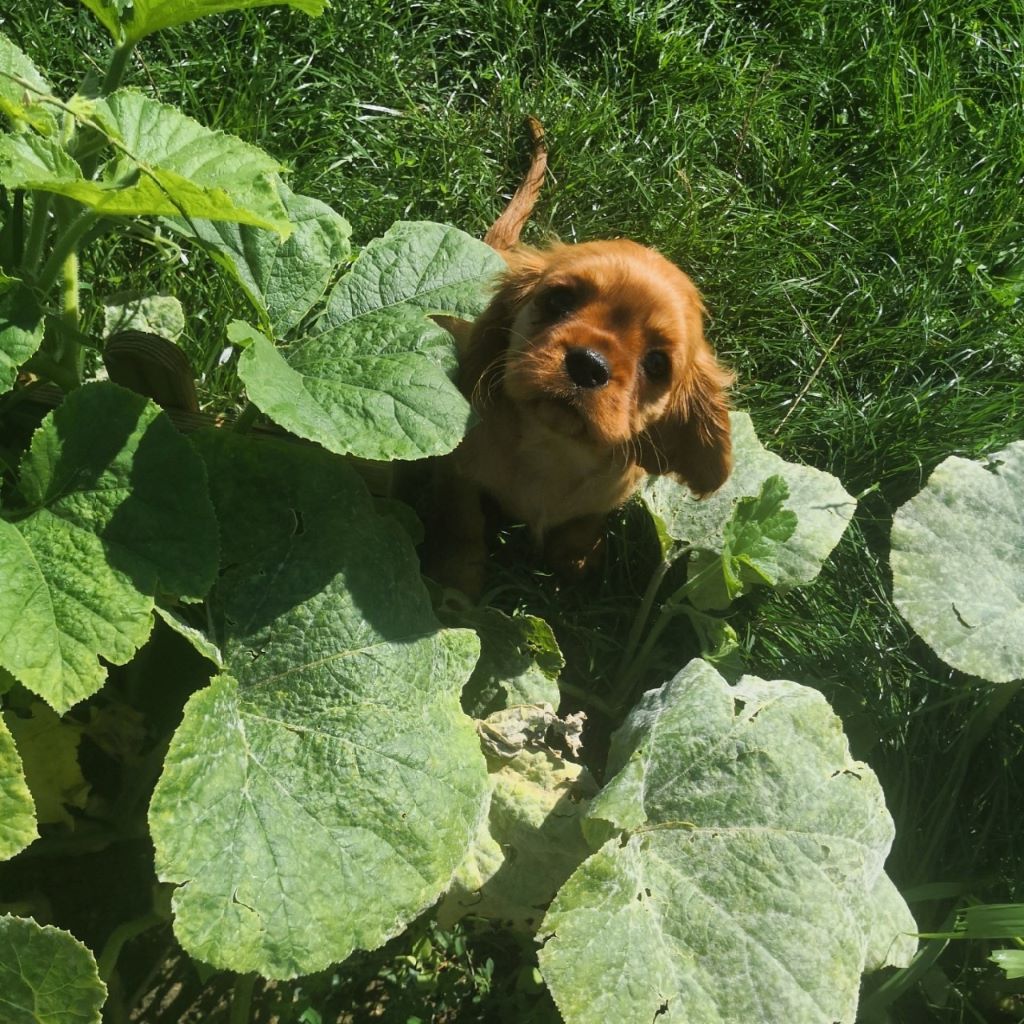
558 300
657 365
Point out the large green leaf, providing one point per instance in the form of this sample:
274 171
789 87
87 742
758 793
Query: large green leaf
282 279
320 797
133 20
958 564
22 89
46 976
17 810
115 510
823 510
166 164
374 377
21 330
744 885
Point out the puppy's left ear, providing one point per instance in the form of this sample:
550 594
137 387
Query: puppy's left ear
692 439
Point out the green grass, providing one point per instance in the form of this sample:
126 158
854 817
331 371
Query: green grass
844 183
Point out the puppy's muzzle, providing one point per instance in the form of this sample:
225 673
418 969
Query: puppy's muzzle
587 368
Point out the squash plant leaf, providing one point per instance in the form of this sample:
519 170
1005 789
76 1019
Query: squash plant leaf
823 510
531 840
132 20
958 564
283 280
742 842
46 976
22 89
373 378
21 330
319 797
166 164
113 510
17 809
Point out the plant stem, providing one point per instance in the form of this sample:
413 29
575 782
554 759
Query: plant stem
116 67
245 419
66 245
38 227
241 999
107 960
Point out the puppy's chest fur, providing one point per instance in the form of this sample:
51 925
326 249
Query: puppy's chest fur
540 475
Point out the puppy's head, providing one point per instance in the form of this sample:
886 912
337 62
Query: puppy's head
604 342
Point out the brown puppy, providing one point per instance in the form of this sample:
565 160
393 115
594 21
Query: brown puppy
588 369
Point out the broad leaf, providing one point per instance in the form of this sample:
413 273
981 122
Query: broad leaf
958 564
115 510
751 850
22 89
283 280
46 976
531 840
162 315
167 164
373 379
317 799
520 660
133 20
17 810
48 746
823 509
21 331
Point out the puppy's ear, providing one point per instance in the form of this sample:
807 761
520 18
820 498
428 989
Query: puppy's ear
481 354
692 439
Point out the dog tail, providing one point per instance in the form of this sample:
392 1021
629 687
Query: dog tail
504 232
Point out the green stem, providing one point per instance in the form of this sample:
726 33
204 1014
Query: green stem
38 228
65 246
669 610
245 419
644 611
116 67
241 999
107 960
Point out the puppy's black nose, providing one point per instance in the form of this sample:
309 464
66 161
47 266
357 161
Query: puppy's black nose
586 368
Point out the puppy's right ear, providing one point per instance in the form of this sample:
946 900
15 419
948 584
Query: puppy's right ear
481 355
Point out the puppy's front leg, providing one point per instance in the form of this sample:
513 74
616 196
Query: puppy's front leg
576 549
455 548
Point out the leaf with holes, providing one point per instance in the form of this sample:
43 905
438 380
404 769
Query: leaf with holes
958 564
317 799
741 841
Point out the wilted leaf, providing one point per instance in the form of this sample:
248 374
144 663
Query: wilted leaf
823 509
751 851
17 811
135 19
320 797
46 976
531 841
373 378
115 510
958 564
283 280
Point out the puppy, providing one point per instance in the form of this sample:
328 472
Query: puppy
587 370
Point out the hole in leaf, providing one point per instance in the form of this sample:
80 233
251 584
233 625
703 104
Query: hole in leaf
661 1010
739 705
994 465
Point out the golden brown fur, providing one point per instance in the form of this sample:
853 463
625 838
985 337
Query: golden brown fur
588 369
